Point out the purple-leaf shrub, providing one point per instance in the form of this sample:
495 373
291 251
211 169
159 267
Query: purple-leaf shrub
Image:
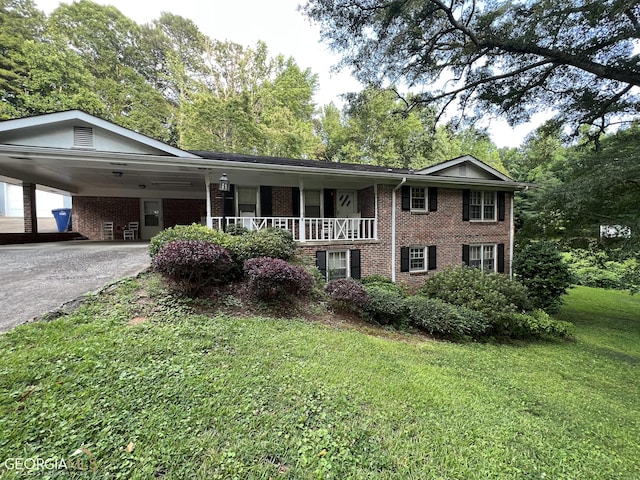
347 294
273 278
192 265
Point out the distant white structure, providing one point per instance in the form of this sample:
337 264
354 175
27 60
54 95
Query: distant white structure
615 231
11 201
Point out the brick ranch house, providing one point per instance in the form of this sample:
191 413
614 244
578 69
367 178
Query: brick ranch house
356 220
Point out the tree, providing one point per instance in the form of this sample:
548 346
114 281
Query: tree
602 187
20 21
57 80
374 129
114 51
513 58
248 102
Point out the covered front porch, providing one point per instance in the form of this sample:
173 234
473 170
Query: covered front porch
308 229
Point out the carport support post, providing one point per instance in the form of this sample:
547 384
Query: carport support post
29 205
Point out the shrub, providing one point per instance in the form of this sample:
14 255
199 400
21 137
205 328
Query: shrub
273 278
441 318
368 280
192 265
185 232
347 294
270 242
614 269
491 294
540 267
536 324
386 305
236 229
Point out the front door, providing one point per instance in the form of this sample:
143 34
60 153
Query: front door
346 203
151 221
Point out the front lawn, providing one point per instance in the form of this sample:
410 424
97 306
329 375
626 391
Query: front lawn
152 390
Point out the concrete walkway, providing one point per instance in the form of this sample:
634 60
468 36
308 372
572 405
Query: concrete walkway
16 225
38 278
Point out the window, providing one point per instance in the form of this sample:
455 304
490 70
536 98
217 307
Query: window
247 202
338 263
418 199
312 204
482 205
483 256
416 259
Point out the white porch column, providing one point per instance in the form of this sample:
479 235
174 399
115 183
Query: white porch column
207 178
302 229
375 209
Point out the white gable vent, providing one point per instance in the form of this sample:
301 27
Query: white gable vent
83 137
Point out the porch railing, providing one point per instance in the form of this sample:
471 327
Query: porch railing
309 229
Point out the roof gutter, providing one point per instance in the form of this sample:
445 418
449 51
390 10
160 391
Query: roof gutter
393 229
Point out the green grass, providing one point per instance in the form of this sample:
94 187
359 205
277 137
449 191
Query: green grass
197 396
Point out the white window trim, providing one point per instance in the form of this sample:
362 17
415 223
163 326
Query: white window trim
237 198
426 199
482 246
425 258
321 201
482 206
347 260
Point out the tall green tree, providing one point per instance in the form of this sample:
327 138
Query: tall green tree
20 21
248 102
541 160
510 58
57 80
113 49
602 187
374 129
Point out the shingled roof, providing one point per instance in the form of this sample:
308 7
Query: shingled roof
295 162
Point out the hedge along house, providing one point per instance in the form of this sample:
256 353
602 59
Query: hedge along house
355 220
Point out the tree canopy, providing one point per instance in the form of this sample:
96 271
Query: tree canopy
509 58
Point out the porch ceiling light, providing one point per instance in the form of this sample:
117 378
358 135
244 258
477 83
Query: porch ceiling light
224 185
172 182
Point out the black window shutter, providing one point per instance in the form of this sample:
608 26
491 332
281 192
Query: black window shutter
501 206
329 208
404 259
229 203
406 198
501 257
465 254
355 264
432 257
321 262
466 199
433 199
266 201
295 201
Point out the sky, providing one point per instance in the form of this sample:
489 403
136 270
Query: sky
285 31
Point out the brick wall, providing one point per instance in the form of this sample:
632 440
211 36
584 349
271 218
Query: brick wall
282 201
183 212
88 213
443 228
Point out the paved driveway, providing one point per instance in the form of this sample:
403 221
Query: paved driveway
38 278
